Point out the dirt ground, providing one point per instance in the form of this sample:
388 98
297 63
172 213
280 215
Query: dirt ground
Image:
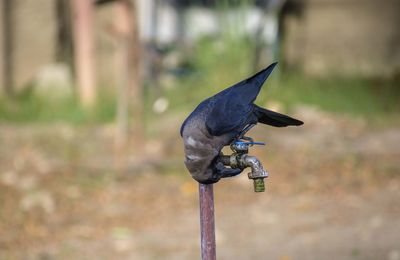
333 193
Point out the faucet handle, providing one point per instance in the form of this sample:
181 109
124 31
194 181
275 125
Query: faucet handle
243 146
255 143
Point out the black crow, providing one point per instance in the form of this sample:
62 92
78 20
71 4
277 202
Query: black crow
219 120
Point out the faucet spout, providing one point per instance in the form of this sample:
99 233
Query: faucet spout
257 170
243 161
257 173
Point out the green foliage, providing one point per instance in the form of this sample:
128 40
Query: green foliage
355 96
217 63
27 108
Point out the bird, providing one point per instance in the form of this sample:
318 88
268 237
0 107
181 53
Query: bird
221 119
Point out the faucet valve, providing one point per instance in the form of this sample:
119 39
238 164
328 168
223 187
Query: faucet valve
257 174
241 159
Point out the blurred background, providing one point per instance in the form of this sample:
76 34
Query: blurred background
93 93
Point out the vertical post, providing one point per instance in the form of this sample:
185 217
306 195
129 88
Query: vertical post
7 38
129 85
64 51
207 222
137 87
124 33
84 50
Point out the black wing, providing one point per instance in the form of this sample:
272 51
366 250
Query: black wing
233 108
227 116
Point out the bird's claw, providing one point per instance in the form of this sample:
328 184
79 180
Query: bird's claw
223 172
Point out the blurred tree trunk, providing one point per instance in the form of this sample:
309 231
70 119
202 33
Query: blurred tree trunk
7 47
64 52
123 27
152 55
129 87
84 50
137 86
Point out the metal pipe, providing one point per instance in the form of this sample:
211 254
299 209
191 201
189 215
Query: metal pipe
239 159
207 222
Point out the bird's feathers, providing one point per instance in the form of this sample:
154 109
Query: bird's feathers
233 107
230 115
272 118
249 88
218 120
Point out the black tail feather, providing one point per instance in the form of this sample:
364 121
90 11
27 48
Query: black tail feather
272 118
249 88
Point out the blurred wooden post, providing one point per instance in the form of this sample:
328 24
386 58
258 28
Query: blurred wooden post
207 222
64 51
137 87
129 85
6 44
123 28
84 50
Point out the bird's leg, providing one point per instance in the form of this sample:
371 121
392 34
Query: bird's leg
247 138
244 131
224 172
220 171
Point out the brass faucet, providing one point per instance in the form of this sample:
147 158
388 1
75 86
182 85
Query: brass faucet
240 159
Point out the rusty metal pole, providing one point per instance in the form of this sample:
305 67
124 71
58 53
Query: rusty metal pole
207 221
